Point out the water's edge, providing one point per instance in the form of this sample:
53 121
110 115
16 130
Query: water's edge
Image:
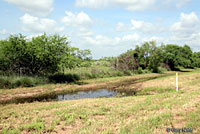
75 95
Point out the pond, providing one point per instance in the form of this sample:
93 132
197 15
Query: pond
87 94
72 96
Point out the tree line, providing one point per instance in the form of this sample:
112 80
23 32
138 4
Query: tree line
151 57
49 54
41 55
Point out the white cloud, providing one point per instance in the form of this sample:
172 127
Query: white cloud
120 27
102 40
145 27
99 40
36 7
182 3
79 19
158 40
38 25
132 5
80 32
131 37
3 31
103 45
188 25
186 30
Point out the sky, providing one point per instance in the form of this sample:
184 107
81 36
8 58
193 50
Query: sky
106 27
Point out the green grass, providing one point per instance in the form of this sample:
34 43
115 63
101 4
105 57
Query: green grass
142 114
70 76
97 72
154 90
16 81
193 120
10 131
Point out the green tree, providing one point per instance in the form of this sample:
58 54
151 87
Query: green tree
176 56
196 59
41 55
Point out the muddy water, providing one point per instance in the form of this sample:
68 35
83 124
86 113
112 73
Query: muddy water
71 96
87 94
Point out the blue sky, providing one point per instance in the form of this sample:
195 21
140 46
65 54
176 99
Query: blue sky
106 27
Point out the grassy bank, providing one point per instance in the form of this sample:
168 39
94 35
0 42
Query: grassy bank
70 76
121 84
156 107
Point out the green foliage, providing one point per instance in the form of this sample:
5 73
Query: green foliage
126 61
162 70
5 82
147 56
42 55
35 126
139 71
96 71
157 59
10 131
15 81
196 59
62 78
175 56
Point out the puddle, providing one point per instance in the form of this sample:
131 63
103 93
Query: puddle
87 94
71 96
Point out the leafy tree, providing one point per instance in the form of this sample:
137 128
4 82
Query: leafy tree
176 56
186 57
149 55
126 61
41 55
196 59
172 55
155 57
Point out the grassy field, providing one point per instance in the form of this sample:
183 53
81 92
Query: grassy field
155 107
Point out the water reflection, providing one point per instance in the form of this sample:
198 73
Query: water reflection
87 94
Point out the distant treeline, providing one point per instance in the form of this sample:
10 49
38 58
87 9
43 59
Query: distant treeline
50 54
152 57
41 55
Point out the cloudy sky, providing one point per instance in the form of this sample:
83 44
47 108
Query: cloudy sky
106 27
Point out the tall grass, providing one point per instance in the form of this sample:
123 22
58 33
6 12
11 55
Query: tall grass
73 75
16 81
96 72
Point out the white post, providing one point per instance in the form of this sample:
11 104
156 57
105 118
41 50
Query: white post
177 82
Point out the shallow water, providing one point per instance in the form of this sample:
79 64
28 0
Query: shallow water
72 96
87 94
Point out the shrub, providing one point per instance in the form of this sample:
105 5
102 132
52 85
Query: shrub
128 72
5 82
140 71
63 78
120 73
161 70
23 81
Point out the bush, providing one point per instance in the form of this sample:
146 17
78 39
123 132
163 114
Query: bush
146 71
120 73
140 71
162 70
128 72
63 78
15 81
25 82
5 82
